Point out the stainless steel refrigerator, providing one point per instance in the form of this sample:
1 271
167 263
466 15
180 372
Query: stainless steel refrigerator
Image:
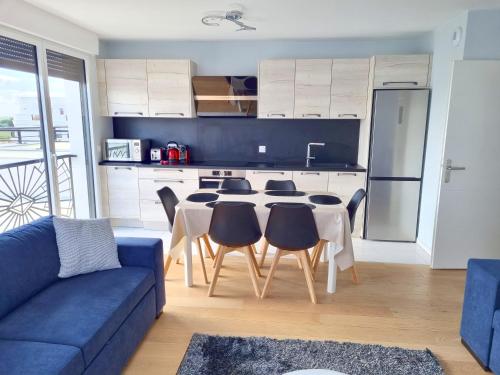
399 127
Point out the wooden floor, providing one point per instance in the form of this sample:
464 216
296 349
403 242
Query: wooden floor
410 306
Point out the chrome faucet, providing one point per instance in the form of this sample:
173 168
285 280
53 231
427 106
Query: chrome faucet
309 157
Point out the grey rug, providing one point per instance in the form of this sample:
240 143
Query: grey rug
219 355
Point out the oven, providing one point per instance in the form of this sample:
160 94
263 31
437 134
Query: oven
213 178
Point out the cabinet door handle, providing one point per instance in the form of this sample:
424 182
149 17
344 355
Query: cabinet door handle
348 114
387 83
157 202
166 170
311 115
276 115
268 172
167 180
347 174
127 168
309 173
129 113
169 113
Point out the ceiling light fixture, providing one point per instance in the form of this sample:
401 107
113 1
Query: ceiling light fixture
234 16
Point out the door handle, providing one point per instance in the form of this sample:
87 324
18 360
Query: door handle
450 168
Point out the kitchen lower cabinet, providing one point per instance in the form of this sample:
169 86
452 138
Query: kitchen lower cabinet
123 192
344 185
311 180
259 178
183 182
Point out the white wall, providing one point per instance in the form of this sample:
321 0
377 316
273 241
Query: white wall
442 67
483 33
29 19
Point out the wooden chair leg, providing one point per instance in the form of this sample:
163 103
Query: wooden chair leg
263 250
216 255
308 274
321 246
251 269
270 275
208 246
254 261
200 253
167 265
218 264
254 249
354 274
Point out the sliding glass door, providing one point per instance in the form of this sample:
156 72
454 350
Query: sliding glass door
45 159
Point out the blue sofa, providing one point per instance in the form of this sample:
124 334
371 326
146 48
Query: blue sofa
480 328
87 324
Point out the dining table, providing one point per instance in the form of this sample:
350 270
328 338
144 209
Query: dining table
192 220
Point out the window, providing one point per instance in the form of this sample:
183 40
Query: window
45 160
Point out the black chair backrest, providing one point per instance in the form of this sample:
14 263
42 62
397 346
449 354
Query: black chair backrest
169 201
291 227
287 185
353 205
234 224
236 184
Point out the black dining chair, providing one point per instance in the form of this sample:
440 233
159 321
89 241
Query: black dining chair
292 230
287 185
234 226
352 208
169 200
236 184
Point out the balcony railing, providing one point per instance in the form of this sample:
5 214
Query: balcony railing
24 194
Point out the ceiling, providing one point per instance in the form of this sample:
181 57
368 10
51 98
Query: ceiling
274 19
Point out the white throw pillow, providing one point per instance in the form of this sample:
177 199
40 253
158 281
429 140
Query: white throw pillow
85 246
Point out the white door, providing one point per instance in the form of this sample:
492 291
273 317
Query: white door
468 218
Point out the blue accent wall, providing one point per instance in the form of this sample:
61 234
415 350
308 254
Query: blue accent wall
238 139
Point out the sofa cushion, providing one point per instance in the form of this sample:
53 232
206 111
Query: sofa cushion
83 311
39 358
496 320
85 246
29 262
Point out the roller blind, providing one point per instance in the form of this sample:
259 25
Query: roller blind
17 55
66 67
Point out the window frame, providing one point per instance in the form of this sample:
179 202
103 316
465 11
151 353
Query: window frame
46 122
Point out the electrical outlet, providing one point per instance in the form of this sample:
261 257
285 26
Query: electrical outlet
262 149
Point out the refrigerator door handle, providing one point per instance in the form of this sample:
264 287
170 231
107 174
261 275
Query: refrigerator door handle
400 115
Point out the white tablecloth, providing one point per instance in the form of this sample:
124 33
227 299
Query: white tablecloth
193 220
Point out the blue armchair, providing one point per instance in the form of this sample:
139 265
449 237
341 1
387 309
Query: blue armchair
480 328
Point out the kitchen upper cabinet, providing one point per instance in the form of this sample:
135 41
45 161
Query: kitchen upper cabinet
402 71
101 86
127 88
313 80
276 88
169 87
349 89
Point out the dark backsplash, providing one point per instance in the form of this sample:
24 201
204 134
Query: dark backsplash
238 139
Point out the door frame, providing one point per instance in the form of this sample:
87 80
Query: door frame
47 125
